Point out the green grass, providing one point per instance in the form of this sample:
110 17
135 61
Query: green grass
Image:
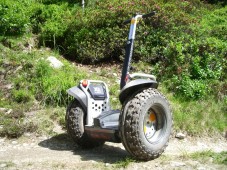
218 158
124 163
197 118
36 86
14 122
47 87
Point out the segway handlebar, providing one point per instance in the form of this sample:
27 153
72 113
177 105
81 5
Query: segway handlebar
149 14
143 16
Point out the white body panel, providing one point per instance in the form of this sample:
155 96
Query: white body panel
95 107
142 75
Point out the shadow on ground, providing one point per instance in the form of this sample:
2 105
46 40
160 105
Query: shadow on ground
106 153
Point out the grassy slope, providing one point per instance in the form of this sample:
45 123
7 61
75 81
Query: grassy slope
32 91
28 84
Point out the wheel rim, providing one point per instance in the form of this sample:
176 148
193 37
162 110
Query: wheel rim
154 124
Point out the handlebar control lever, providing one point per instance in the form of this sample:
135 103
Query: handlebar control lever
149 15
143 16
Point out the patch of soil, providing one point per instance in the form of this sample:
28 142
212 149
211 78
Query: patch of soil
59 152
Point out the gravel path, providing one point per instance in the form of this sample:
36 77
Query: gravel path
59 152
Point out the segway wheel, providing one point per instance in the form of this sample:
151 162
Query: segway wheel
75 119
146 124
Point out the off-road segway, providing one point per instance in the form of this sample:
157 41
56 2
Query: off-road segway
144 123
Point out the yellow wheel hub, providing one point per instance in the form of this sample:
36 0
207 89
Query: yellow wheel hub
149 124
152 117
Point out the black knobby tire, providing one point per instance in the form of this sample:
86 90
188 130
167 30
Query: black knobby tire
75 119
148 109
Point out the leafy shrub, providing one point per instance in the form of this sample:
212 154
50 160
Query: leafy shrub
194 61
15 16
222 2
189 88
54 20
60 2
96 34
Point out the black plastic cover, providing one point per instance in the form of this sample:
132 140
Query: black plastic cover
78 94
134 86
97 91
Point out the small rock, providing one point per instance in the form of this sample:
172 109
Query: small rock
201 168
107 164
43 138
25 144
9 111
3 165
210 160
14 142
54 62
177 164
202 145
58 129
180 136
3 109
145 167
115 74
32 144
2 150
9 86
27 134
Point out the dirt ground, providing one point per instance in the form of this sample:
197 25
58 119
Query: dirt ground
59 152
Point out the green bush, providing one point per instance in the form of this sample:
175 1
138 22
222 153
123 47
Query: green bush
189 88
16 16
193 62
60 2
54 20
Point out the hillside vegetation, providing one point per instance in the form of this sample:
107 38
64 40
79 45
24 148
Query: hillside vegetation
184 45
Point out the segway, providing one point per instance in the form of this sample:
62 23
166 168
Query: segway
143 124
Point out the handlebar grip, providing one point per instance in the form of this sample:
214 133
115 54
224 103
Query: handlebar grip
149 15
143 16
127 21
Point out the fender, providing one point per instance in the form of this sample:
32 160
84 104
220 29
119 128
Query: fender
135 85
79 95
